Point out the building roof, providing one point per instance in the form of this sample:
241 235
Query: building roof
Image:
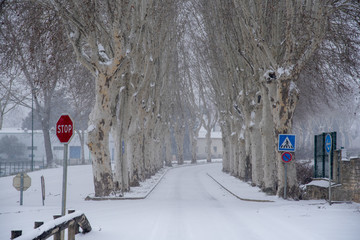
214 135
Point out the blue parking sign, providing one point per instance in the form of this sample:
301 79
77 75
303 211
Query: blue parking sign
328 143
287 142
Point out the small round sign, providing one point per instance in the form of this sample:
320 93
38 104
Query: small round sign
286 157
17 181
328 143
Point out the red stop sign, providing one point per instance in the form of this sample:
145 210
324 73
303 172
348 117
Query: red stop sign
64 128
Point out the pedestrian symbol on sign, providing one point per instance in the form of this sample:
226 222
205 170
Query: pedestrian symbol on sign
286 142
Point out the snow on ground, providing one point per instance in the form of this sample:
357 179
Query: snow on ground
186 204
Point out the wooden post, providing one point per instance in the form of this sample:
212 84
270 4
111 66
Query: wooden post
76 226
72 227
57 235
38 224
71 230
15 233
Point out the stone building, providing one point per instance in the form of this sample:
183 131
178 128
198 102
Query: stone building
345 181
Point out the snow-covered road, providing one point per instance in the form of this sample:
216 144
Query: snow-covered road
186 204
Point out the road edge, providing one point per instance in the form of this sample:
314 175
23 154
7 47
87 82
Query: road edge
238 197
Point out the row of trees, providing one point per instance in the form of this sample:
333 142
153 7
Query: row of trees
135 62
161 66
262 56
144 93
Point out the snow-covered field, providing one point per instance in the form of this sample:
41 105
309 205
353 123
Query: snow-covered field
186 204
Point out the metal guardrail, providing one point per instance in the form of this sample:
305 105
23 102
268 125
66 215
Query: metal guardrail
12 168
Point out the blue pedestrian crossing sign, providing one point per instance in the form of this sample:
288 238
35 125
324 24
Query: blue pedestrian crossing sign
287 142
328 143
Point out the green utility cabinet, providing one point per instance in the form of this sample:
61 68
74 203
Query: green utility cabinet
321 158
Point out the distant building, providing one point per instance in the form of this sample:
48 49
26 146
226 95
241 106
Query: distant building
216 145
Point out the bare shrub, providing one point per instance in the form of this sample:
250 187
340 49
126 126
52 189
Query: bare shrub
304 171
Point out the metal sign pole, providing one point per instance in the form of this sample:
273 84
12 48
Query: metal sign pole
63 206
330 177
64 131
286 158
42 190
21 188
328 148
285 186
